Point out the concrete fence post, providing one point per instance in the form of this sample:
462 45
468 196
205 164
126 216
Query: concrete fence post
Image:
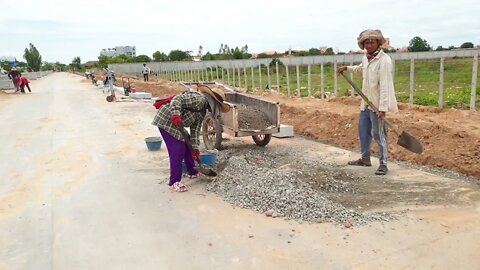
352 91
234 79
335 78
228 76
260 77
322 81
309 72
288 80
245 77
253 79
441 86
216 69
268 78
412 80
299 85
278 76
239 78
473 96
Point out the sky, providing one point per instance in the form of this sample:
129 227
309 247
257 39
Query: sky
62 30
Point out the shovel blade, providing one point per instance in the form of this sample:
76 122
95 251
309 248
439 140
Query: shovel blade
410 143
207 172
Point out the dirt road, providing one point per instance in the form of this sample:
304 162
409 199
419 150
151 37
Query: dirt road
79 190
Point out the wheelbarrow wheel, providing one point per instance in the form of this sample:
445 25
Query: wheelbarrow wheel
212 132
262 139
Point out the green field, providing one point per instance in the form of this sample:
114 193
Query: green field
457 81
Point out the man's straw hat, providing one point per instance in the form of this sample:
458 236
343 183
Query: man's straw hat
370 34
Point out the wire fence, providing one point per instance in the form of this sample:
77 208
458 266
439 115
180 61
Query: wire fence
443 79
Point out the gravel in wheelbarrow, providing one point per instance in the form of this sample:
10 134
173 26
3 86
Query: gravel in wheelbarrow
251 118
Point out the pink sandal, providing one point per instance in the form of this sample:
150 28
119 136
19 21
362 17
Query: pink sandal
178 187
195 175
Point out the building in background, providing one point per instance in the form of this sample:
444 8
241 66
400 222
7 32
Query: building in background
10 60
119 50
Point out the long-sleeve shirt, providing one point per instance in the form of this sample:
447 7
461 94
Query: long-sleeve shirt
192 108
377 82
145 70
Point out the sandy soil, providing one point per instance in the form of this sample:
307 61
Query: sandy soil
451 137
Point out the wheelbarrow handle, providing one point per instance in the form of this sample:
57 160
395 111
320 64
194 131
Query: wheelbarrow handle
370 104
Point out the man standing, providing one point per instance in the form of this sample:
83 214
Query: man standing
145 72
377 85
14 75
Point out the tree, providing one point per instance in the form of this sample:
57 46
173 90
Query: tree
237 54
328 51
33 57
466 45
141 58
200 50
121 59
208 57
220 51
245 49
103 61
417 44
440 48
76 63
314 51
159 56
178 55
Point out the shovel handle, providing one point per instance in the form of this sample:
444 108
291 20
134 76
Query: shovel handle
365 98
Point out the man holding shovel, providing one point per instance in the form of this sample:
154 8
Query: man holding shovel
377 85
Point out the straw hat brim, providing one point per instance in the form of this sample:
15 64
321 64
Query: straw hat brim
217 95
370 34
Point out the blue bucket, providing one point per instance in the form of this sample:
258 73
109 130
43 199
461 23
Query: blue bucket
209 158
153 143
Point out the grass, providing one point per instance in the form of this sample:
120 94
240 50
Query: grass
457 81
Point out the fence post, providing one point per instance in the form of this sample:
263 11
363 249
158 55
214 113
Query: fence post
309 67
253 78
322 81
288 80
393 71
260 77
228 76
412 80
473 97
245 77
216 69
297 68
278 76
239 78
223 81
268 78
440 87
234 75
335 79
351 78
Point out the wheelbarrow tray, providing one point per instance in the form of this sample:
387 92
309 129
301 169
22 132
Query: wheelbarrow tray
230 120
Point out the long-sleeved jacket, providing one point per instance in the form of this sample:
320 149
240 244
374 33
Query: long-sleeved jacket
377 82
192 108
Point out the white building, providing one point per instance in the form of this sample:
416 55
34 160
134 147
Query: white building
119 50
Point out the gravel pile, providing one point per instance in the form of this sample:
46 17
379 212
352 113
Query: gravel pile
280 190
251 118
